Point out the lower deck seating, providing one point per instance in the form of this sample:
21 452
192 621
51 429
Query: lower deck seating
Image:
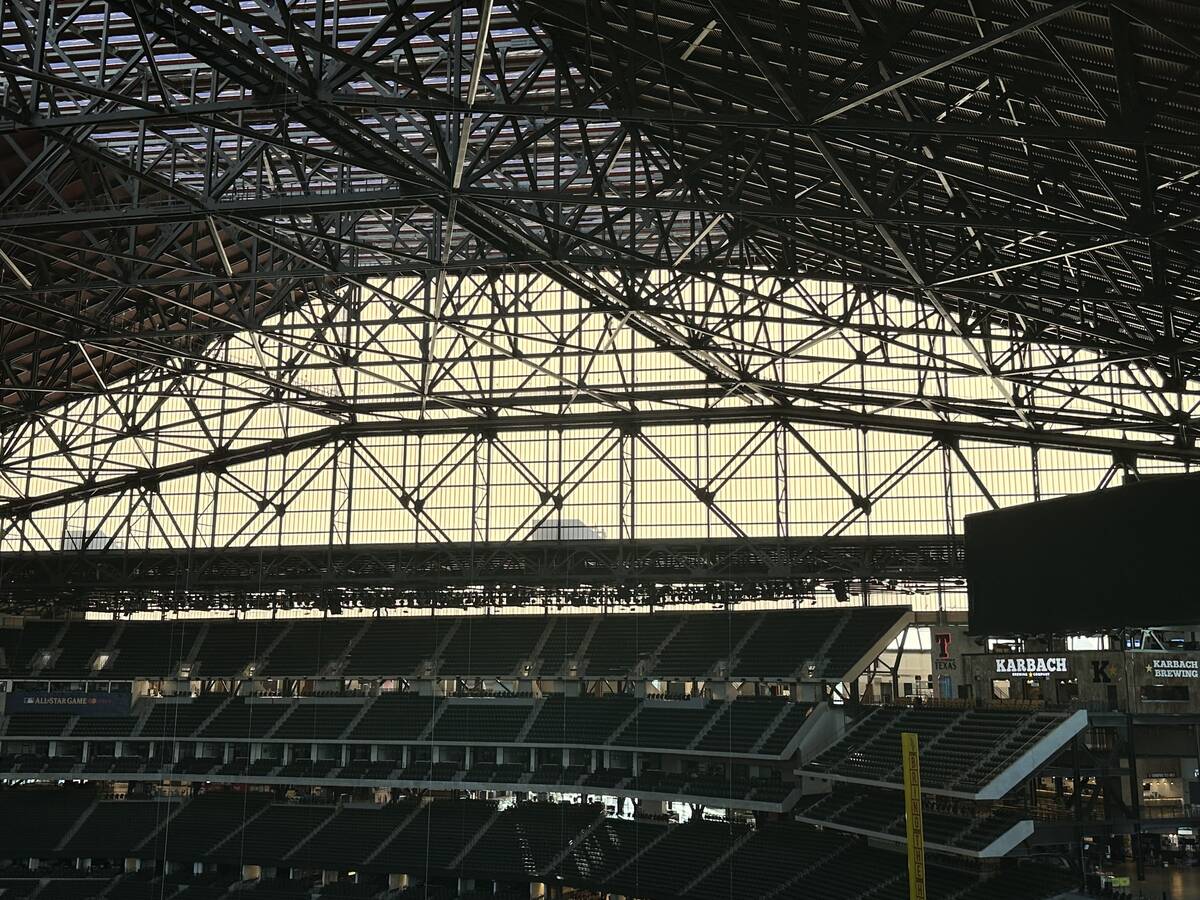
208 820
667 724
670 865
114 827
270 837
34 821
882 811
438 840
961 749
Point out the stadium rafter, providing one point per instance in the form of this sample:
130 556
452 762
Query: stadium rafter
238 239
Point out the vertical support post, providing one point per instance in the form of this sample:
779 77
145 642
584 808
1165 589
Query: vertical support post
1135 799
1077 804
914 823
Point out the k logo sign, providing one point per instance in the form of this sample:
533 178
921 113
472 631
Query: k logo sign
1100 669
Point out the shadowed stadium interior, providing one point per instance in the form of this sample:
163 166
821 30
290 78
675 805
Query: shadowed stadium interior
623 449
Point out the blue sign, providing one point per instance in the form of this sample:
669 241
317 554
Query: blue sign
75 703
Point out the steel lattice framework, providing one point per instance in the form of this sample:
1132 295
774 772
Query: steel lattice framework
285 273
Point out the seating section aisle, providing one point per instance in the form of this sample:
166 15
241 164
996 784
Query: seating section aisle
397 646
113 828
270 837
396 717
245 719
668 866
621 641
491 645
580 720
311 647
742 724
350 837
77 647
711 637
485 721
531 836
23 646
318 720
436 836
667 724
179 719
562 643
152 648
208 820
962 749
229 647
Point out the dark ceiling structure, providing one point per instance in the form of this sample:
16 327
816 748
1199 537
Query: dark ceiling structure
251 248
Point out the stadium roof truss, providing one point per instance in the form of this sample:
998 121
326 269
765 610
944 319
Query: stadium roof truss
333 273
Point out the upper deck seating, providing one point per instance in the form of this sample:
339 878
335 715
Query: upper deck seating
778 644
562 643
712 638
622 640
229 647
491 645
397 645
152 649
22 646
310 647
78 645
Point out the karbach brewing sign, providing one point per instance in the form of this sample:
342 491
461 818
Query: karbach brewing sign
1033 666
1174 668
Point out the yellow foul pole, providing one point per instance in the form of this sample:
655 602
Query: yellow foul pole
913 820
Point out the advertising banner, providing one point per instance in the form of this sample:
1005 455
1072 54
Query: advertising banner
76 703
